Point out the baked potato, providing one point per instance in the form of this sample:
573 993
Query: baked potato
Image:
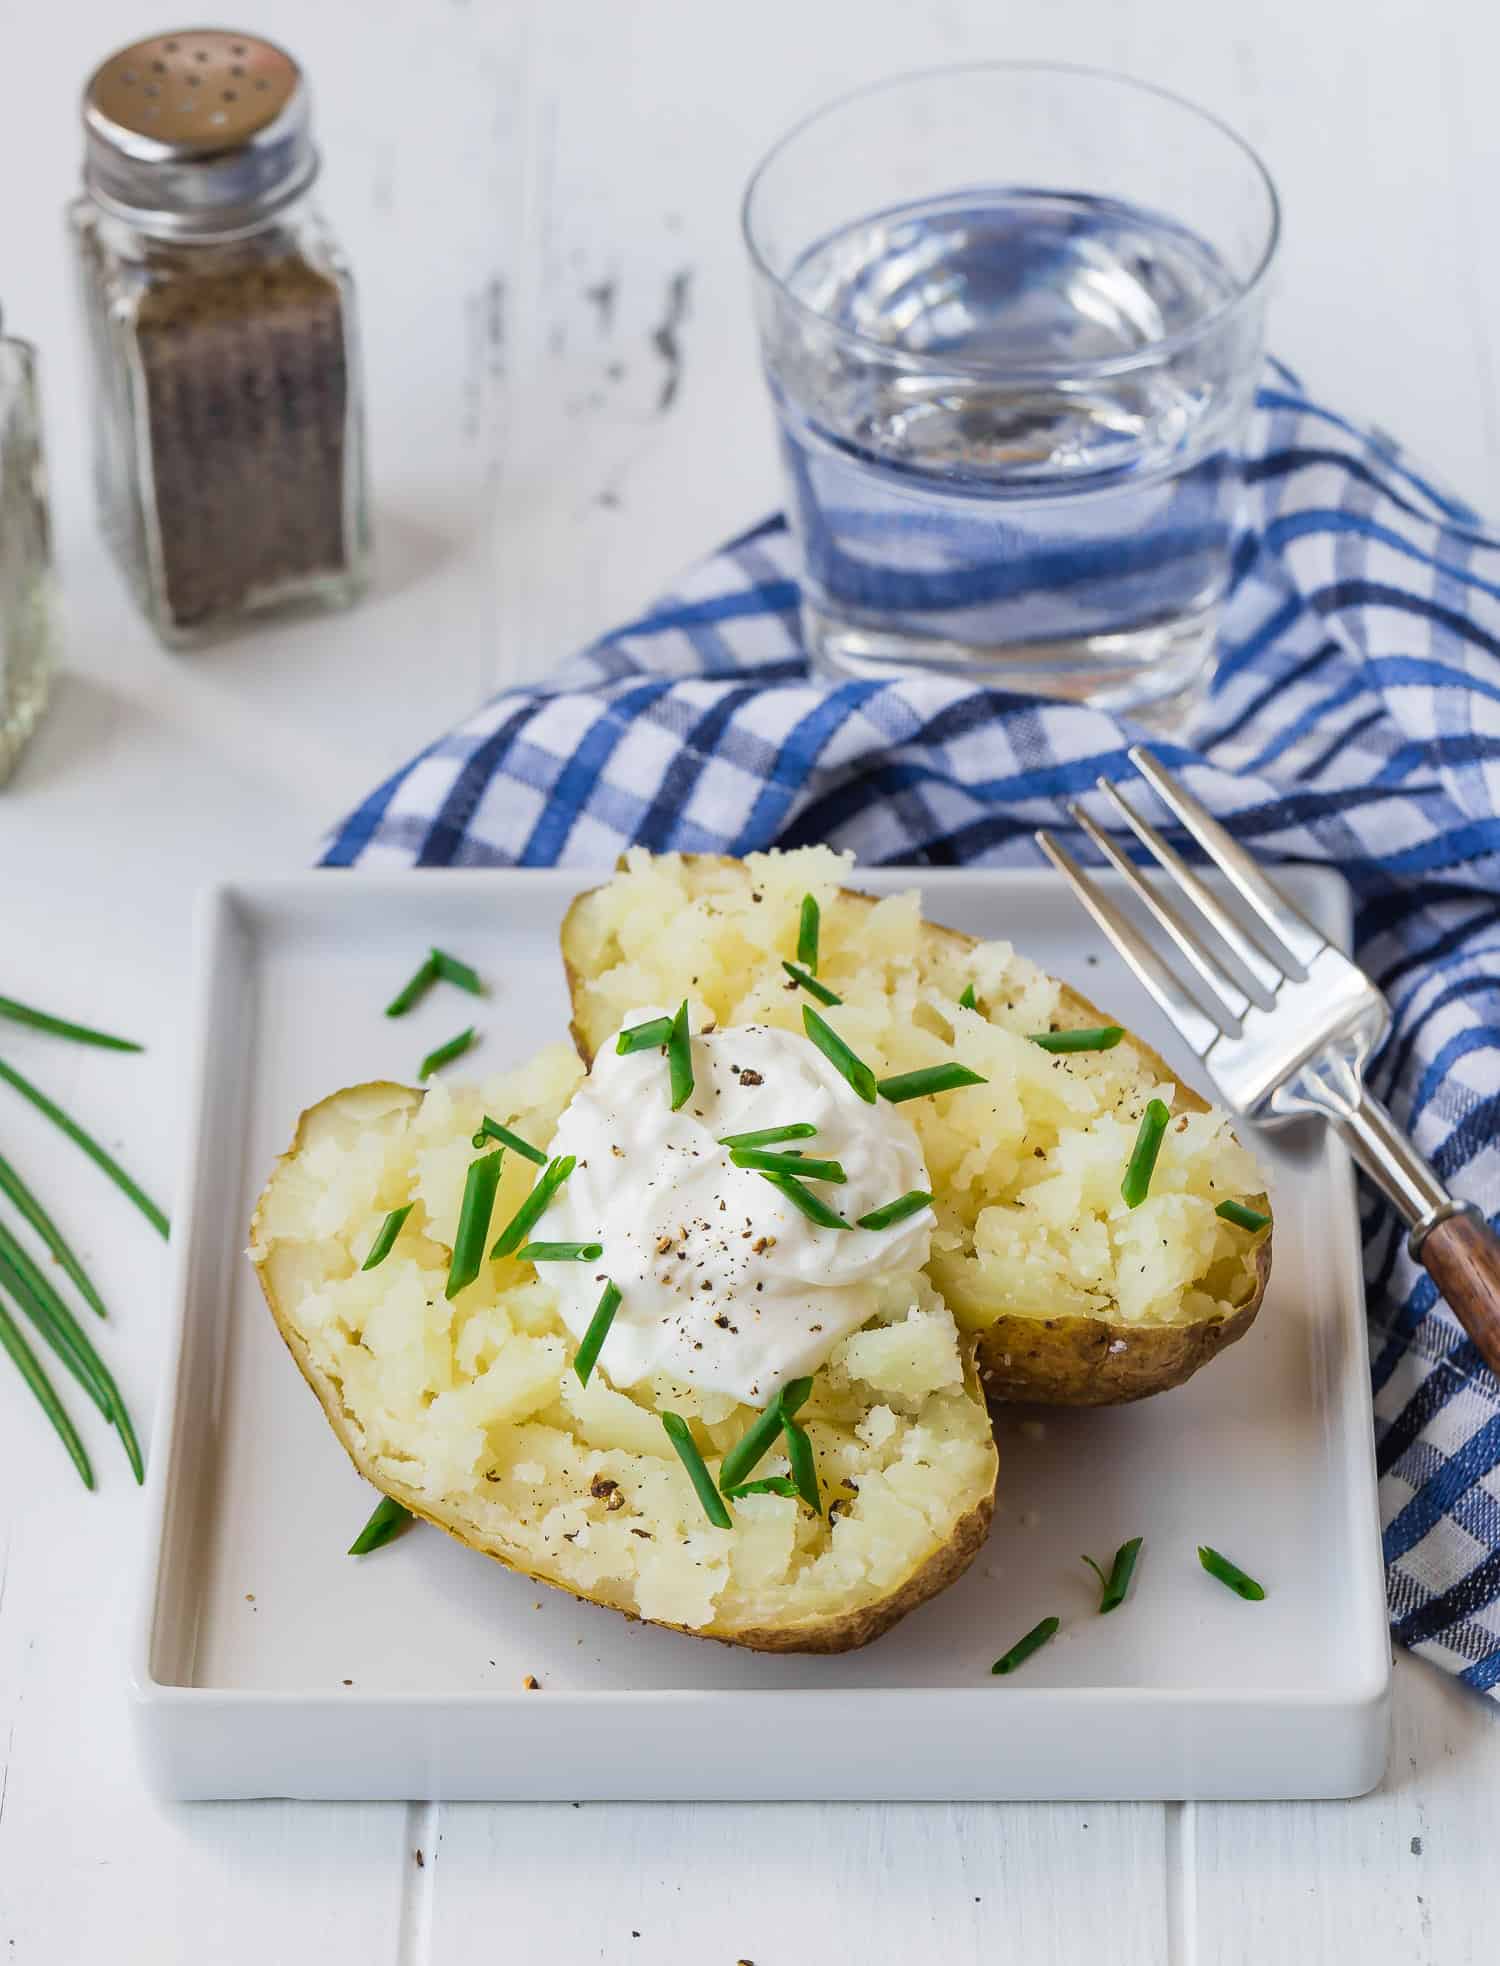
1073 1298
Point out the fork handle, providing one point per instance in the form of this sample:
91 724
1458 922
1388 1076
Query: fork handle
1461 1253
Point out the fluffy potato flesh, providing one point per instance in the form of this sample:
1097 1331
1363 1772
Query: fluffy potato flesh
471 1414
1074 1297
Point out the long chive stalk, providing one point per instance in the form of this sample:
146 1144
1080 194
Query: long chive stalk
805 1168
930 1079
533 1207
1137 1183
59 1027
27 1364
492 1130
90 1146
805 980
760 1436
809 928
28 1205
681 1437
27 1300
1023 1648
1117 1583
838 1054
598 1331
473 1229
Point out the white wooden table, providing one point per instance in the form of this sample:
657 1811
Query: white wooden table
538 198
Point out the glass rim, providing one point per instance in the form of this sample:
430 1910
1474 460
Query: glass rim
1107 365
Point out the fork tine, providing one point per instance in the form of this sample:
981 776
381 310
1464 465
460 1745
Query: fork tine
1296 932
1195 1025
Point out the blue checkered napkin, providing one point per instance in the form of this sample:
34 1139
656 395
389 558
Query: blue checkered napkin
1355 720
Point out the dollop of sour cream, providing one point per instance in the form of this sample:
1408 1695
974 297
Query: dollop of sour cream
724 1283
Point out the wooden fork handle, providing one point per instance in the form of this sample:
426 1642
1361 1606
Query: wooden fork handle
1461 1253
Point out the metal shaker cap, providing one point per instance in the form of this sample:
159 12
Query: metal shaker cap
199 134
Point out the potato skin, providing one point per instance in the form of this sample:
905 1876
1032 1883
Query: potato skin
1029 1357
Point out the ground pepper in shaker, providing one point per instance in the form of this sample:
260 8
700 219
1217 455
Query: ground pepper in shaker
229 447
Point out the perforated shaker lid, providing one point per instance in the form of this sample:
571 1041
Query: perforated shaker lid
197 134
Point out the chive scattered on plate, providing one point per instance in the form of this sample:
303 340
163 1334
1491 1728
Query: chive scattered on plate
531 1210
560 1252
803 1462
654 1032
387 1519
896 1211
809 926
59 1027
931 1079
811 1205
680 1058
810 983
1103 1038
30 1369
967 999
89 1145
1137 1183
1230 1574
838 1054
493 1130
770 1136
445 1054
27 1204
414 990
1023 1648
680 1435
1242 1217
598 1331
451 970
385 1239
796 1164
473 1230
767 1485
1117 1583
756 1442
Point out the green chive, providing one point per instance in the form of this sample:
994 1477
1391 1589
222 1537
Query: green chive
560 1252
26 1362
40 1020
1023 1648
680 1435
1242 1217
1137 1183
28 1205
767 1485
473 1230
815 1209
804 1464
838 1054
769 1136
798 1164
680 1058
51 1316
757 1440
451 970
967 999
531 1210
931 1078
807 933
389 1517
414 991
493 1130
811 984
650 1036
446 1053
1117 1583
385 1238
1104 1038
1230 1573
598 1331
896 1211
89 1145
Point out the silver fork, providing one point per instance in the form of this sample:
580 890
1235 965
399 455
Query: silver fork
1294 1038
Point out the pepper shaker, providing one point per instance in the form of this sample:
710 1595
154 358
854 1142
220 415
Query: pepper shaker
27 632
229 415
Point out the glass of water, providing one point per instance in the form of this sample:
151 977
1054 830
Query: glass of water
1011 318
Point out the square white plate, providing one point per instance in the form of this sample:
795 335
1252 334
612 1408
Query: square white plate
266 1662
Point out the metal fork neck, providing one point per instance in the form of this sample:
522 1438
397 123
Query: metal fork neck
1390 1160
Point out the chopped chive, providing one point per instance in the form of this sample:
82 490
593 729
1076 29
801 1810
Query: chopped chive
758 1438
493 1130
385 1238
967 999
769 1136
560 1252
680 1058
798 1164
1117 1583
654 1032
931 1078
1023 1648
598 1331
804 1463
451 970
1230 1573
446 1053
531 1210
89 1145
59 1027
808 926
1137 1183
413 991
1103 1038
838 1054
387 1519
473 1230
680 1435
896 1211
28 1205
811 1205
1242 1217
767 1485
30 1369
810 983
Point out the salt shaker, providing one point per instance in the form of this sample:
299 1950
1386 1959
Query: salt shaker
27 635
229 415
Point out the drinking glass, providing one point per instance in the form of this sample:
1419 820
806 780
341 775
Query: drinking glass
1011 317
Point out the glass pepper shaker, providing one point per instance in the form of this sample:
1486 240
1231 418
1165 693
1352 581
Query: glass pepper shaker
229 414
27 619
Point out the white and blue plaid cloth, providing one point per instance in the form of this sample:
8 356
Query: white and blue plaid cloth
1355 720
